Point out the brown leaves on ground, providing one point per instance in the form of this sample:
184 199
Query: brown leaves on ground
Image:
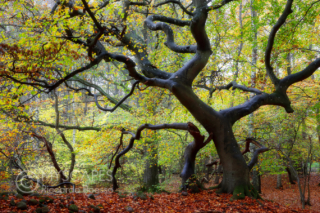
206 201
289 195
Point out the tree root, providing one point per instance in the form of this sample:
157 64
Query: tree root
240 192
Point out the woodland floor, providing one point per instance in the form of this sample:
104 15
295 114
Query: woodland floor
287 196
283 200
206 201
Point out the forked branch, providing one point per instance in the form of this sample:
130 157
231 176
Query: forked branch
168 31
287 11
232 84
120 102
175 2
102 92
48 145
260 149
137 136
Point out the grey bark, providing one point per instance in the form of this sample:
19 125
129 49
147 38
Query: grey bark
279 183
151 170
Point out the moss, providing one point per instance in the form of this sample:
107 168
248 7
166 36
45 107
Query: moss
73 208
24 190
241 191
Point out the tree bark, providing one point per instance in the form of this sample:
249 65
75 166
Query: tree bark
291 176
279 183
256 180
191 152
151 171
235 169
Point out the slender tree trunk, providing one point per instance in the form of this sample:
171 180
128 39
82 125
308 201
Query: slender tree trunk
74 122
279 183
151 173
289 56
302 197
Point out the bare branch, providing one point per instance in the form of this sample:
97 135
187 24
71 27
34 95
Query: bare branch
85 4
299 76
52 156
118 147
102 92
73 73
232 84
120 102
41 123
214 7
276 98
175 2
287 11
65 141
55 6
258 151
168 31
103 5
137 136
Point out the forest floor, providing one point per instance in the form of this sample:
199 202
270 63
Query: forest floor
205 201
287 196
275 200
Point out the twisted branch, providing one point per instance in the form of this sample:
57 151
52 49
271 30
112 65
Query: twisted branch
168 31
287 11
232 84
258 151
119 103
137 136
175 2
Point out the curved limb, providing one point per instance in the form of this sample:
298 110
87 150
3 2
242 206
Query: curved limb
279 97
37 181
137 136
175 2
258 151
237 112
85 4
119 103
86 83
52 156
191 152
79 128
168 31
232 84
65 141
287 11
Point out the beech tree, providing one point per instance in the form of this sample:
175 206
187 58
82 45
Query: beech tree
108 33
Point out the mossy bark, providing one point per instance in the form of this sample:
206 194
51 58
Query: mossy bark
241 191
